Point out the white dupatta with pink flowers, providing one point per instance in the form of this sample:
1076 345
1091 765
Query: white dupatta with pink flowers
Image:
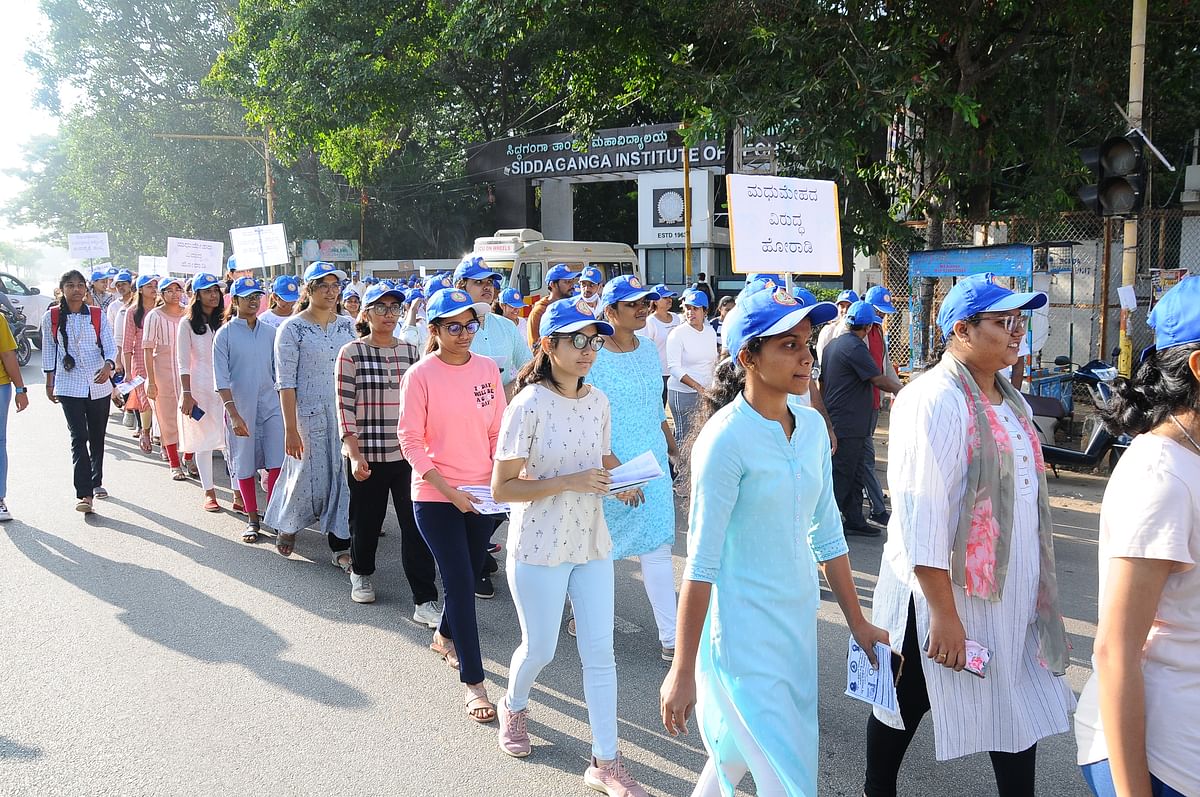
979 556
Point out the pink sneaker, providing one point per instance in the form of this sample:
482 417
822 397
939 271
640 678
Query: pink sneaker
513 735
613 779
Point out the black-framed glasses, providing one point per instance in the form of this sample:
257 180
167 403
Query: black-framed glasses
582 341
457 327
385 309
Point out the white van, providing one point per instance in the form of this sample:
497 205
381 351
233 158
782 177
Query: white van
523 257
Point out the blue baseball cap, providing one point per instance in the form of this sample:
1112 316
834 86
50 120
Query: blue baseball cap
414 294
626 288
124 275
848 296
560 271
231 264
863 313
349 291
881 298
663 292
370 279
100 274
803 295
765 313
147 279
202 281
321 269
1176 317
168 280
980 294
452 301
512 297
437 283
695 298
378 292
286 287
775 278
592 274
473 269
246 286
571 315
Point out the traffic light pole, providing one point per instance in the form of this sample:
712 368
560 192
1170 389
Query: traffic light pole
1129 243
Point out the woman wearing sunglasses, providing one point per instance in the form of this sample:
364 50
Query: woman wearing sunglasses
451 403
313 485
558 540
369 373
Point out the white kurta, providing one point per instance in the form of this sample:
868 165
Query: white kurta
195 357
1020 701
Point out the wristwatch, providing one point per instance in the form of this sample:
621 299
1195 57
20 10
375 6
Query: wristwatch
20 390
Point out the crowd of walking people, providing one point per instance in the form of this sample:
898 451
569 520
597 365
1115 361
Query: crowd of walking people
334 398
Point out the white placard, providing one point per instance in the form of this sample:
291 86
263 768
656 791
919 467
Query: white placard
150 264
1128 297
188 256
86 245
259 247
784 225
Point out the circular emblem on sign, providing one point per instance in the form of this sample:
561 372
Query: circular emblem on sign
670 208
634 282
783 297
584 308
458 296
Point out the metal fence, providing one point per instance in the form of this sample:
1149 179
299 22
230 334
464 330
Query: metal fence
1083 316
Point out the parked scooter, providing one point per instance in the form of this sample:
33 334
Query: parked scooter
16 324
1098 377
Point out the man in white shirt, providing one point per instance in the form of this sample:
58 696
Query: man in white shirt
591 283
356 282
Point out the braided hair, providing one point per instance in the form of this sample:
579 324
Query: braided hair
61 331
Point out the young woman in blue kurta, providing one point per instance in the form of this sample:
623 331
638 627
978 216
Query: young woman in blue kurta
762 519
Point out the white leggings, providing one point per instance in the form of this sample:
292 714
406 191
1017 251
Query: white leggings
204 466
538 592
658 576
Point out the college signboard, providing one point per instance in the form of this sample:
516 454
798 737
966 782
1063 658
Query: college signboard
87 245
260 247
784 225
186 256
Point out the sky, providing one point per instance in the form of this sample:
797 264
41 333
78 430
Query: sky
22 21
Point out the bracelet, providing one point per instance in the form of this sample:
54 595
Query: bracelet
227 403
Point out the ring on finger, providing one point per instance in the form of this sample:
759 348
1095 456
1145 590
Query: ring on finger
941 657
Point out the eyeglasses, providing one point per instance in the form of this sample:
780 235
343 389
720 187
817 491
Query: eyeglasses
582 341
385 309
1011 323
457 328
326 286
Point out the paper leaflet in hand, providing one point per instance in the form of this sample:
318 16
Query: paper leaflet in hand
874 685
125 388
634 473
484 503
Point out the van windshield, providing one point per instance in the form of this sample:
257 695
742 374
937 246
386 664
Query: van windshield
501 267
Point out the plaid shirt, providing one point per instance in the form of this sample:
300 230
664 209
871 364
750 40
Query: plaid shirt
89 356
368 391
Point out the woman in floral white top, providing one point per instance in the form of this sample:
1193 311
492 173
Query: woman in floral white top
552 462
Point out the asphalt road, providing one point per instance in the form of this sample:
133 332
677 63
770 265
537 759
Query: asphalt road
146 650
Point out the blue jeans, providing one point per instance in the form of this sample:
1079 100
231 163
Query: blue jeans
457 541
538 593
1099 780
6 394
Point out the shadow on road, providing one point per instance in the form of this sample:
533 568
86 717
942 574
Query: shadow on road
15 751
172 613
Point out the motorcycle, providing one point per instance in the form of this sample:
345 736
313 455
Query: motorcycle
1098 377
16 323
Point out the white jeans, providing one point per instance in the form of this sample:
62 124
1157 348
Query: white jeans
538 593
204 468
658 576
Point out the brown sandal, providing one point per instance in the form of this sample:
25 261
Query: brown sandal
479 708
285 543
445 648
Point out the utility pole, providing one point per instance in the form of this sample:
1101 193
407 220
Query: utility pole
1129 243
263 140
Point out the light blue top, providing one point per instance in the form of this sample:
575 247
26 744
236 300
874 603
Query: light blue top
633 384
244 363
499 339
762 515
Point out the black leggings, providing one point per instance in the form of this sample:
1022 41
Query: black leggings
886 745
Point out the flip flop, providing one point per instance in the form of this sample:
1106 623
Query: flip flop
285 544
144 442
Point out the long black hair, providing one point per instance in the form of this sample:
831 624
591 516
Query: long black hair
1161 385
200 322
139 312
540 369
61 331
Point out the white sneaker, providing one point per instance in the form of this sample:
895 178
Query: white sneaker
428 614
361 590
4 513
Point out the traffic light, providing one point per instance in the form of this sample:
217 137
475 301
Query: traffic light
1120 168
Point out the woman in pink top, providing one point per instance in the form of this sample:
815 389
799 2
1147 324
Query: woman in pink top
451 404
131 352
159 335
